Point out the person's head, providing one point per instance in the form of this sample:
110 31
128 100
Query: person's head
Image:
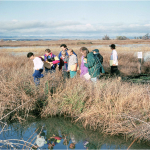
63 53
30 55
84 51
47 51
63 47
70 52
95 51
112 46
72 146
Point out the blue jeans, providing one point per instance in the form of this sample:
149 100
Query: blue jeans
73 74
37 75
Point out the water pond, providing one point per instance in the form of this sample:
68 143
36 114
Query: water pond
59 133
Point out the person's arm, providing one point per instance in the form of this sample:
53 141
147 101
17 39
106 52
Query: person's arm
56 61
114 58
59 55
75 60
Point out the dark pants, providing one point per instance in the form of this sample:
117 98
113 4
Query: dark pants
49 70
114 70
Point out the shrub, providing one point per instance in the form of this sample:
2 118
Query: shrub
146 37
121 38
106 37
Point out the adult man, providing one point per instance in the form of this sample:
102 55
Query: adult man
114 60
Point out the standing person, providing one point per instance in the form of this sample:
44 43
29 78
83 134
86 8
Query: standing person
99 58
94 66
83 69
73 62
63 65
38 67
64 48
52 60
114 60
96 52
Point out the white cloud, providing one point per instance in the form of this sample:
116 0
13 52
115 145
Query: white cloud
15 27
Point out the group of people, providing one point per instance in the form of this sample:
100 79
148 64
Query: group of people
90 69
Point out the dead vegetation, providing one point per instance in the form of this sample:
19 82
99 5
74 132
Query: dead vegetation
115 107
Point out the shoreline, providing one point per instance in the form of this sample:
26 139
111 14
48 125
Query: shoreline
71 42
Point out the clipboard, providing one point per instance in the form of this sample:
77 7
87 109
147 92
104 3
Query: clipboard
111 62
73 67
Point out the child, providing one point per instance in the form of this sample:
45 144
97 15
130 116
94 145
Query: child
72 65
63 66
114 60
52 60
38 67
83 69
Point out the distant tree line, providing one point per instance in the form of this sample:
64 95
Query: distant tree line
106 37
145 37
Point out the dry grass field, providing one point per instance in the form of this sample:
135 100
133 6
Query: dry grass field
71 42
114 107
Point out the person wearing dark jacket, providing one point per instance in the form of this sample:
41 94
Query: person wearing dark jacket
94 66
96 52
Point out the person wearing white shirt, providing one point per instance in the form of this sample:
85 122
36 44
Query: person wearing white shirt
38 67
38 63
114 60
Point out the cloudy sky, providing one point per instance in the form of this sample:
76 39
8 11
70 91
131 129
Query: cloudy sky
74 18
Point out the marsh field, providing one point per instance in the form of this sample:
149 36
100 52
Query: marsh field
111 107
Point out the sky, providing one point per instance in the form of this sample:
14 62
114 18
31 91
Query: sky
74 18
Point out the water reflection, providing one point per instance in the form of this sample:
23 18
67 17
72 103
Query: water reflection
57 133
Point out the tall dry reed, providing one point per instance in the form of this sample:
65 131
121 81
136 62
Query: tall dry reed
114 107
